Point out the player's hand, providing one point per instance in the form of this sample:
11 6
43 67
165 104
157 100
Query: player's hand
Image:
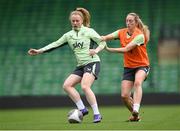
33 52
92 52
103 38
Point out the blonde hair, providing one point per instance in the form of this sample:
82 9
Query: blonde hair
141 25
84 15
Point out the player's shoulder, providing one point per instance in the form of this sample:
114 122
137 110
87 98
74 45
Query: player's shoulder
89 31
69 33
121 30
88 28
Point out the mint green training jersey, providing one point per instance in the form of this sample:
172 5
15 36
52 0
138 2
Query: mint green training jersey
80 43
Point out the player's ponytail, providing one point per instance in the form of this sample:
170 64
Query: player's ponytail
141 25
86 16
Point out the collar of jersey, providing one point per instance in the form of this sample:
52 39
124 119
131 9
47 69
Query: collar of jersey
82 26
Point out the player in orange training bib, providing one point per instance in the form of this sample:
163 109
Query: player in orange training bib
133 40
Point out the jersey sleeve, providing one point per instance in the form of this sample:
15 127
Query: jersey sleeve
115 34
61 41
138 40
97 38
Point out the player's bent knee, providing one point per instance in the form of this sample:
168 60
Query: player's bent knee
85 88
66 86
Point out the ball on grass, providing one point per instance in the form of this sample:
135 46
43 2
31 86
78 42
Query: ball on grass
75 116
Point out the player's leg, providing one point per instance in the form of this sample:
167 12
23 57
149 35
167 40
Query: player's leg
126 87
90 74
140 76
137 95
69 87
86 84
127 99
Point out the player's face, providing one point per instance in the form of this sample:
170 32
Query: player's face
76 21
130 22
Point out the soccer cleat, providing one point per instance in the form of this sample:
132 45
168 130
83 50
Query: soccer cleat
97 118
84 111
135 113
135 117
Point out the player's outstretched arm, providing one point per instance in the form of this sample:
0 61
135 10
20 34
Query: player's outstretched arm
33 52
127 48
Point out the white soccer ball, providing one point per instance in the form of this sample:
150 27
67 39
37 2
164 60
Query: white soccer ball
75 116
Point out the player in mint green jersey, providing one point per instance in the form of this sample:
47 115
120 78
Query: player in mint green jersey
80 40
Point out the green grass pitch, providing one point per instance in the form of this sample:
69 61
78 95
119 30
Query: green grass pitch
153 118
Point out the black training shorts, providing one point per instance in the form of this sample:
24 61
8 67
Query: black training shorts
93 68
129 73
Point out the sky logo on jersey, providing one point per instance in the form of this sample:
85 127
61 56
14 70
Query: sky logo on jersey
78 45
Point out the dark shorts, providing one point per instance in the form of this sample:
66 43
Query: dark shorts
92 68
129 73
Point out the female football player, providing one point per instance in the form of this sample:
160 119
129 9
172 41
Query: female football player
133 39
80 40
